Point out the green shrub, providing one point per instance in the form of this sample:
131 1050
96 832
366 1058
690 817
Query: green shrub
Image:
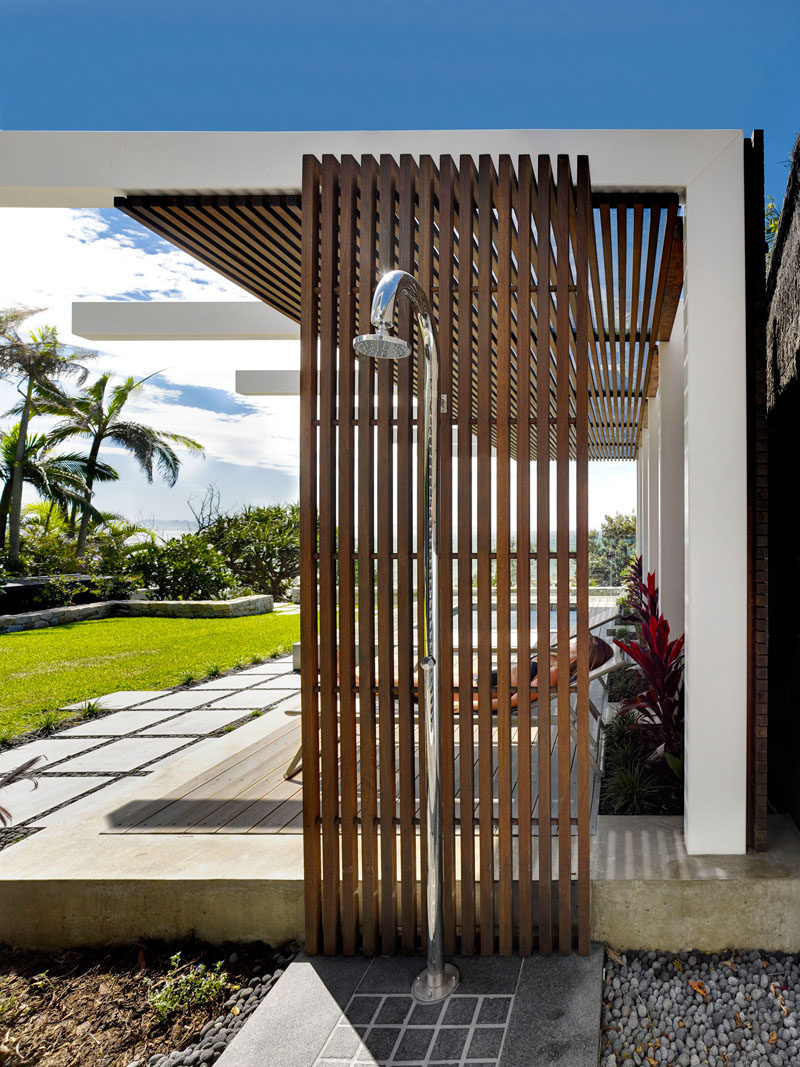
61 591
624 683
181 991
261 545
184 568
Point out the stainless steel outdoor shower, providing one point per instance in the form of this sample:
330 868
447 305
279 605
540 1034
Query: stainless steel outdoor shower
439 979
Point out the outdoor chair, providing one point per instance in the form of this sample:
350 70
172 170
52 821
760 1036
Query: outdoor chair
598 674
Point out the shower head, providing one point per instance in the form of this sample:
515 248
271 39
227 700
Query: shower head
381 345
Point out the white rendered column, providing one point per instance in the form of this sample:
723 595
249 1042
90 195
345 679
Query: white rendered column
639 508
642 519
716 509
670 568
653 501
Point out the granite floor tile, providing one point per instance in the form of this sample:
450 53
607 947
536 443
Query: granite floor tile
494 1011
343 1043
486 1042
127 754
205 721
118 724
450 1043
413 1045
378 1043
125 698
426 1014
270 666
361 1010
459 1011
394 1009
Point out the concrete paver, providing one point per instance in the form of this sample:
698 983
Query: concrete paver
283 681
127 754
248 699
51 749
24 802
229 681
125 698
204 721
181 700
118 724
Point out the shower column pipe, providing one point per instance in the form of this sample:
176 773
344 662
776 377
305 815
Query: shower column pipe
439 979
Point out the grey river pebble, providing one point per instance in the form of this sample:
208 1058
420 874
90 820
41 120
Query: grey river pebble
742 1009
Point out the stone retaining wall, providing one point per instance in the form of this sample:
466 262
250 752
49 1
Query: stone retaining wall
162 609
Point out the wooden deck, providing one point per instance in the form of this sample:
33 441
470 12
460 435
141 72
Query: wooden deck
247 793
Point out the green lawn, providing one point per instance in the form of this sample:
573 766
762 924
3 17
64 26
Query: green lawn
42 670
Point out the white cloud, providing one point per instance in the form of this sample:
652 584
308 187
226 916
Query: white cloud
53 257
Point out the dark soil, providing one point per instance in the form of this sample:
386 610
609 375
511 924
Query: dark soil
90 1007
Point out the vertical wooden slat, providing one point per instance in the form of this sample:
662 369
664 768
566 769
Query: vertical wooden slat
329 710
427 178
584 208
308 546
636 347
466 208
366 574
563 207
405 636
385 502
543 551
445 324
622 264
524 798
503 548
484 506
346 545
608 266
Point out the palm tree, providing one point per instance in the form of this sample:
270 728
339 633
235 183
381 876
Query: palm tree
96 413
36 363
59 479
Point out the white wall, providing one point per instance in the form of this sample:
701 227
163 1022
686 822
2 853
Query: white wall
716 509
670 565
653 483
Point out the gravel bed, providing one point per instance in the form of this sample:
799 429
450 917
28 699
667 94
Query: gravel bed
693 1008
218 1033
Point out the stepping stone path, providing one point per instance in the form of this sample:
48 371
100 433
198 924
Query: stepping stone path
143 731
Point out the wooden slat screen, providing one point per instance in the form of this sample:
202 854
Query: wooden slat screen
507 249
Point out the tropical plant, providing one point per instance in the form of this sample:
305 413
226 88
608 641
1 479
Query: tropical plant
49 545
96 413
183 568
39 362
659 704
58 478
261 545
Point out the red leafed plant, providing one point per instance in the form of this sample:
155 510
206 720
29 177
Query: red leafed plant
659 706
641 594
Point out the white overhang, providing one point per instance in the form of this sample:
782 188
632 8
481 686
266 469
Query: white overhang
79 169
178 320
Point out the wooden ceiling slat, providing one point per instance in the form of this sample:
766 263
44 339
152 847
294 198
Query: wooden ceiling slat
644 338
255 240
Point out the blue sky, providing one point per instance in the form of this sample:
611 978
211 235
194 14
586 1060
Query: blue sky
95 64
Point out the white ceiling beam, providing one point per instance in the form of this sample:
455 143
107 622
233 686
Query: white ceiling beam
68 169
174 320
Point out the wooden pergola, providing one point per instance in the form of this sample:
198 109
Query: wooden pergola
635 269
